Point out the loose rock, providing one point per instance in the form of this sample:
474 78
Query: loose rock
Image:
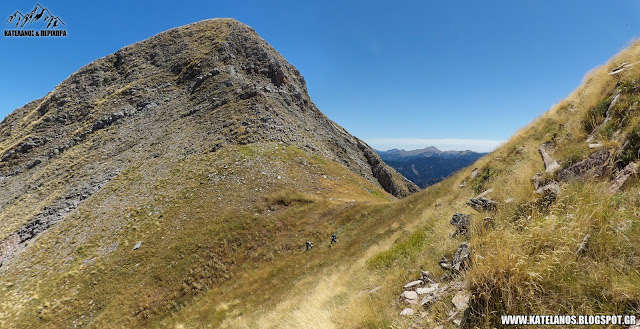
410 297
461 300
407 312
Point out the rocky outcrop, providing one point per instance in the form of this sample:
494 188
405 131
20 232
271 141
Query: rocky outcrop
461 222
482 204
622 177
597 165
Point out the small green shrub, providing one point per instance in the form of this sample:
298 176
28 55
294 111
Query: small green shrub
482 179
596 115
632 151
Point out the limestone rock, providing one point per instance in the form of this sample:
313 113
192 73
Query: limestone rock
485 193
545 156
553 168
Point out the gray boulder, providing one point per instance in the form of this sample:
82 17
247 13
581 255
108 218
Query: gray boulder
460 221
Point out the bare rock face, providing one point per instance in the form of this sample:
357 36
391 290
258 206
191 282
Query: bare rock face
189 90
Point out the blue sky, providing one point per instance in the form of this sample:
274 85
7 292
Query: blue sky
405 74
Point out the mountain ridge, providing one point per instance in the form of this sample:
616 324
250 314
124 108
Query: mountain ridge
431 151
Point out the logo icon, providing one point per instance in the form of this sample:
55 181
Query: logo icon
39 13
35 15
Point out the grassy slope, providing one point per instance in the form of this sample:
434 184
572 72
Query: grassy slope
214 224
526 263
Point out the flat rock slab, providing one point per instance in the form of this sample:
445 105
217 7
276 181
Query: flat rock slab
427 290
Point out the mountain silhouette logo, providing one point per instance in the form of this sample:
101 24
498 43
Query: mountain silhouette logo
38 13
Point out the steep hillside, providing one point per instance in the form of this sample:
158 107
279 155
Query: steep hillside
547 224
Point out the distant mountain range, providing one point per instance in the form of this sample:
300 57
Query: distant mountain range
429 165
